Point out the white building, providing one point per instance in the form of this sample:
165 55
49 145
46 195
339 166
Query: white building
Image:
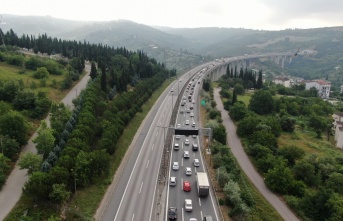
283 81
322 86
342 89
338 127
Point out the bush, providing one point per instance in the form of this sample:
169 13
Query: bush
41 73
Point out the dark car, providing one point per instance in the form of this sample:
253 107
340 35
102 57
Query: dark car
208 218
172 213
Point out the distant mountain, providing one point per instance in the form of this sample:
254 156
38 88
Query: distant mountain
321 49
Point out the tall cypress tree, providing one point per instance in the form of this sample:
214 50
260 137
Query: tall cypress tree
93 73
234 97
103 79
259 80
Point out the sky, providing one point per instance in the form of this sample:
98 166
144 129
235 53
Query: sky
250 14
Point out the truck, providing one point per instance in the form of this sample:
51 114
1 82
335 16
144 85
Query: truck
203 185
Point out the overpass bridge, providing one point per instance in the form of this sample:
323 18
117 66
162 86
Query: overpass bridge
218 67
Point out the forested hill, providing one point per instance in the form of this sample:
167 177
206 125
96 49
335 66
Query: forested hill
181 48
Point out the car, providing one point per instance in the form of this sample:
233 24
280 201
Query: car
196 162
186 154
193 219
208 218
172 213
176 146
192 114
193 124
193 101
194 136
176 166
177 137
172 181
188 110
187 122
188 205
186 186
186 142
181 110
188 171
178 125
172 90
195 146
191 107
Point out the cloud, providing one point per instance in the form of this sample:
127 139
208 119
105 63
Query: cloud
293 11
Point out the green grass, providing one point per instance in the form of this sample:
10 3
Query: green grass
85 202
244 98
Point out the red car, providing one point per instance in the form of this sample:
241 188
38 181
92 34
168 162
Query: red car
186 186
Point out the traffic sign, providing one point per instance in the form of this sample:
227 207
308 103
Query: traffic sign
203 102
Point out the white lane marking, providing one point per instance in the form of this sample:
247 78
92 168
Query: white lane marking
140 189
152 147
201 215
147 164
181 183
199 201
183 217
182 162
133 217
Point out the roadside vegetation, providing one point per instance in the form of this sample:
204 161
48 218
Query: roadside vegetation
80 152
289 140
237 197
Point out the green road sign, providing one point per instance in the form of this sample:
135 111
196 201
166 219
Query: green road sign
203 102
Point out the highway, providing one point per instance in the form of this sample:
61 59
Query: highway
176 194
133 196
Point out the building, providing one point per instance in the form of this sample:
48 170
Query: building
338 128
341 89
322 86
283 81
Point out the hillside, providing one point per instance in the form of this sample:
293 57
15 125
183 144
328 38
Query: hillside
181 48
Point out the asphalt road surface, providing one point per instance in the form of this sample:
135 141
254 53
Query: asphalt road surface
245 164
176 194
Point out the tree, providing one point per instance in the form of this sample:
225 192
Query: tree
10 147
24 100
45 140
30 161
291 153
59 193
206 84
219 134
335 182
238 111
319 124
93 72
265 138
259 83
247 126
287 123
262 102
234 97
306 172
39 185
41 73
239 89
15 126
103 79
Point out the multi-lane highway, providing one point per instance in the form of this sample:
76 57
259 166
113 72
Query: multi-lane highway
188 118
134 195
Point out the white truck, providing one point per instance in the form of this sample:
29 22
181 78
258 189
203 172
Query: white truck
203 184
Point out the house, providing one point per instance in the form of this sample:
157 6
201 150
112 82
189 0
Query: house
322 86
341 89
283 81
338 127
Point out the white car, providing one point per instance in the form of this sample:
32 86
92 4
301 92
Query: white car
193 124
178 125
172 181
193 101
177 137
188 171
188 205
187 142
176 166
192 114
196 162
193 219
187 122
176 146
186 154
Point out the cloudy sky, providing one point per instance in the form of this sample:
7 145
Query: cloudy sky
255 14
